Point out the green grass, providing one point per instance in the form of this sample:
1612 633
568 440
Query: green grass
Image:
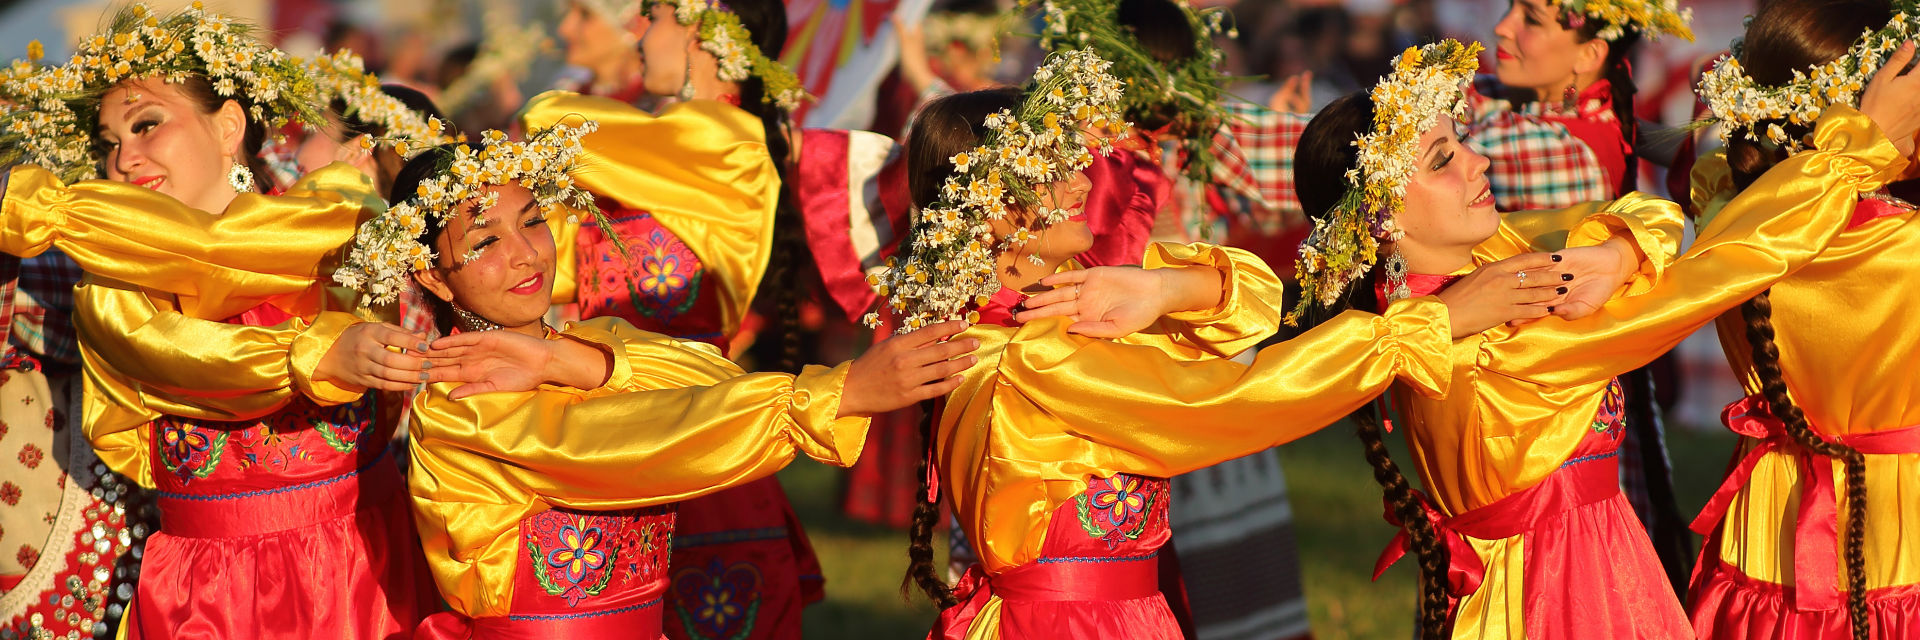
1336 513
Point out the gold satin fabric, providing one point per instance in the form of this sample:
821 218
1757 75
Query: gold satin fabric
1843 325
674 421
159 276
261 249
1524 397
1044 409
700 167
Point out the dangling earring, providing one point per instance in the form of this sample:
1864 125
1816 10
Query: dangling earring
1568 98
240 177
1396 266
470 321
686 84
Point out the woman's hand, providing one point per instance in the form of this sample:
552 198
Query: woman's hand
362 359
1523 287
915 67
498 360
907 368
1593 275
1890 102
1114 302
1295 95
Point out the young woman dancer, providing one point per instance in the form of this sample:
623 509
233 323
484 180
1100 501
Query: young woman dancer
1526 533
545 505
1057 480
252 471
1809 537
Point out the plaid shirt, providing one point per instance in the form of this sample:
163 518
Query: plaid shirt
36 310
1256 159
1536 163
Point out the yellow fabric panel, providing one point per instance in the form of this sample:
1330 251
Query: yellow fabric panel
675 421
278 249
1498 608
700 167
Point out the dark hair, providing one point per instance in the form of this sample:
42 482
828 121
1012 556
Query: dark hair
199 89
1619 75
1164 34
1784 36
766 22
384 158
944 127
1325 154
407 181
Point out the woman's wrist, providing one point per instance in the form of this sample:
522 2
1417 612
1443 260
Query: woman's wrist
577 364
1189 288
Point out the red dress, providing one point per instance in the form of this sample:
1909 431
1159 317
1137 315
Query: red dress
744 545
294 525
1097 575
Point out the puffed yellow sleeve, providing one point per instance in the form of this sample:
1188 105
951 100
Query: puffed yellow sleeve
700 167
262 249
1250 295
1709 184
1119 400
1654 226
703 427
1771 229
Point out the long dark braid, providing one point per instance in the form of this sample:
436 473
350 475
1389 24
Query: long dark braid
1620 83
926 516
1758 313
787 271
1436 613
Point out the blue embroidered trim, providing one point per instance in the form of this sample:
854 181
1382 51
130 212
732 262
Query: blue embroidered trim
584 614
206 497
727 537
1097 559
1597 456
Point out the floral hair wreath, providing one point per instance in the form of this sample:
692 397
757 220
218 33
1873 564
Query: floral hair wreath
1345 245
1649 17
1191 86
387 248
50 120
342 76
1737 103
722 35
948 262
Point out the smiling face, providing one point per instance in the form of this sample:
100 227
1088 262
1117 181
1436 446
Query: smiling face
1535 51
1058 242
509 280
155 135
1449 205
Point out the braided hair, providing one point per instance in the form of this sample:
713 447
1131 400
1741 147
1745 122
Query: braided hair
1325 154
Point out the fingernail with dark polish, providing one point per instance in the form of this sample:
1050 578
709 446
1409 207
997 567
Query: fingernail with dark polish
1566 277
1561 290
423 376
426 365
1549 309
1556 257
422 347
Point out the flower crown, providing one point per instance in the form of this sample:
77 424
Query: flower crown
1737 103
342 76
387 248
949 259
50 122
1345 244
1649 17
722 35
1191 86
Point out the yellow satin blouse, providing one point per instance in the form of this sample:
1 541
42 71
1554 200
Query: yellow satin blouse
1843 327
159 277
674 421
1045 409
700 167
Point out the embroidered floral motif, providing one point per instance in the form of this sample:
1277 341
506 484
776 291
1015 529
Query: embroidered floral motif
189 451
342 427
662 279
569 553
1116 509
644 547
717 601
276 442
31 455
27 556
1613 409
10 494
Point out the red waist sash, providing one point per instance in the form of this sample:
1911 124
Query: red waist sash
1049 580
1816 526
281 508
640 621
1575 484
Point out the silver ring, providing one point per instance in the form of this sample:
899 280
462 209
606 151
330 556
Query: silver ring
1523 277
